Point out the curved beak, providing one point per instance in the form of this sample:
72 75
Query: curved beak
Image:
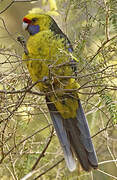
24 25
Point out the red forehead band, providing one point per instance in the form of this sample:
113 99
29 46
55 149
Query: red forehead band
27 20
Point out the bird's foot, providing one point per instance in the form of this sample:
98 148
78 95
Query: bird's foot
45 78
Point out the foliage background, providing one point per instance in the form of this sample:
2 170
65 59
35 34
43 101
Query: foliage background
26 133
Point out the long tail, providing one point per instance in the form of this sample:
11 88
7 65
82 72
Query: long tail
74 136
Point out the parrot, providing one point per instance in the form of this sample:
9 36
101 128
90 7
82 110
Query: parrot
49 61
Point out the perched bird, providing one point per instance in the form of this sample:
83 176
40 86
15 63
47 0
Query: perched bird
48 59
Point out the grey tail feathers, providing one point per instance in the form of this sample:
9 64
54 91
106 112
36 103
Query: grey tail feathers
74 136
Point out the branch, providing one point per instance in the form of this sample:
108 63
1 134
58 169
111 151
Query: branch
107 174
19 102
15 1
33 172
104 129
24 90
108 161
48 169
44 150
7 29
99 50
107 9
8 6
5 155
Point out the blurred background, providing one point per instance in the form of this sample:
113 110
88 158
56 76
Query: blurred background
26 129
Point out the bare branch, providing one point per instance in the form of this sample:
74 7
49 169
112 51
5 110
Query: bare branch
48 169
6 154
44 150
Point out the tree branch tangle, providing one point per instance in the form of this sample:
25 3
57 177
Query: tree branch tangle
29 147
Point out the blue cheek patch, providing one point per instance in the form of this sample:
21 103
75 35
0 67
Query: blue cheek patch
33 29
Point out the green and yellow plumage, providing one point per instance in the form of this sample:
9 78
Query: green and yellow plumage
49 56
45 51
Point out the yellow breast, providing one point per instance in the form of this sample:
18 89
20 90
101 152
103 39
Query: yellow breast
45 59
45 53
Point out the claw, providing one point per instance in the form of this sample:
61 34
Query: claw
22 41
45 78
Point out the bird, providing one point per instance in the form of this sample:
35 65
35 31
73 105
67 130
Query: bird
50 63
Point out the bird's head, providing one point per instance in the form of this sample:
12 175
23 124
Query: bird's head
35 23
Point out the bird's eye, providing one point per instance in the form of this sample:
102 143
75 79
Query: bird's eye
34 20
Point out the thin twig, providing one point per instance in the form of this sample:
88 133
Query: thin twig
7 7
5 155
107 9
7 29
44 150
12 2
108 161
99 50
107 174
49 169
104 129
